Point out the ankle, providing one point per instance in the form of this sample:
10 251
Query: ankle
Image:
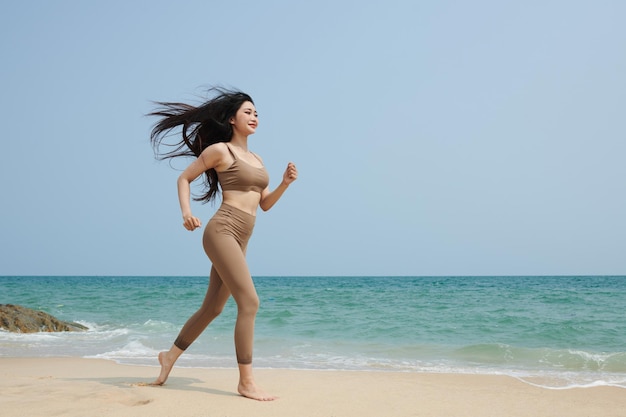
245 374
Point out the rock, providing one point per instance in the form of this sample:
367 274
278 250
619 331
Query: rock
20 319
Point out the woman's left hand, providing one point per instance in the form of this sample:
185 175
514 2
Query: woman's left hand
291 174
269 198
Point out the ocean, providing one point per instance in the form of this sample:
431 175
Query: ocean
555 332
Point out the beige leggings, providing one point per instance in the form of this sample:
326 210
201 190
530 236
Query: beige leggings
225 240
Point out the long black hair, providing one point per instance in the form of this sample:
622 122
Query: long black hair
201 127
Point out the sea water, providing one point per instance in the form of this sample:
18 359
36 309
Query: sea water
556 332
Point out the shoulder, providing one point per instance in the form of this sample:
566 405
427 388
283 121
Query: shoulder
219 148
216 155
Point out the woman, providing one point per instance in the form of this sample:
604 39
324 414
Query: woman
216 133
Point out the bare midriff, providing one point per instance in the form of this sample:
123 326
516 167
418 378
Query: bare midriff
247 201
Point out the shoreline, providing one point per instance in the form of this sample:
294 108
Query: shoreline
80 386
545 379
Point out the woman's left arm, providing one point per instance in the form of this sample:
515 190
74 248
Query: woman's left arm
269 198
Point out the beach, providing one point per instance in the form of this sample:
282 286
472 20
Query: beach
326 346
92 387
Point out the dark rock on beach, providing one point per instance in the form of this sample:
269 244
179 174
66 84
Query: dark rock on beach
20 319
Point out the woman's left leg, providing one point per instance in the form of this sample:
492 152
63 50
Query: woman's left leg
216 296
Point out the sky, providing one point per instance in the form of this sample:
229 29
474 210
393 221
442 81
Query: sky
431 137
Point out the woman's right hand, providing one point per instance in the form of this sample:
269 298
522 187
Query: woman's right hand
191 223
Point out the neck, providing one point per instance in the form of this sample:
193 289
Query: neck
240 142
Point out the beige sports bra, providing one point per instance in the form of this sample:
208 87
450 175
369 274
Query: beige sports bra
241 176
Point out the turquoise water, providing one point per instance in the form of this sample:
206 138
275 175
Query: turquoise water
556 332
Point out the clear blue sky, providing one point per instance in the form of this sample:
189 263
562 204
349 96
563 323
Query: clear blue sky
431 137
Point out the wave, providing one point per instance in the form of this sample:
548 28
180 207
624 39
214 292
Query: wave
548 368
543 358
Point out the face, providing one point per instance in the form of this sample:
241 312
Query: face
245 120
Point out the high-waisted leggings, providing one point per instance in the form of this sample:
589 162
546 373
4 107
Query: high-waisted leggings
225 240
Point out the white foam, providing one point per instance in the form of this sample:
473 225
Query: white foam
134 349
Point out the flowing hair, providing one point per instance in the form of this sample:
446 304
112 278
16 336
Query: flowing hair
201 126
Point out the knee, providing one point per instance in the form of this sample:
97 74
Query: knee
248 305
210 312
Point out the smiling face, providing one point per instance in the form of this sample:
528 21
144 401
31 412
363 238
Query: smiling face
245 120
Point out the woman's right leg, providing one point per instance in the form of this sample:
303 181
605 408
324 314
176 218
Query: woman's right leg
216 296
228 257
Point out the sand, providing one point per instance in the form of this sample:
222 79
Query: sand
89 387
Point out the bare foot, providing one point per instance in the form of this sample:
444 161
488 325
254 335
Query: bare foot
250 390
166 367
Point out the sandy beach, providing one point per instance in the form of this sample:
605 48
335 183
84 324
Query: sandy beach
89 387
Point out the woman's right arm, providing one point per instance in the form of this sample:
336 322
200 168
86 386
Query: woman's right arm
211 157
